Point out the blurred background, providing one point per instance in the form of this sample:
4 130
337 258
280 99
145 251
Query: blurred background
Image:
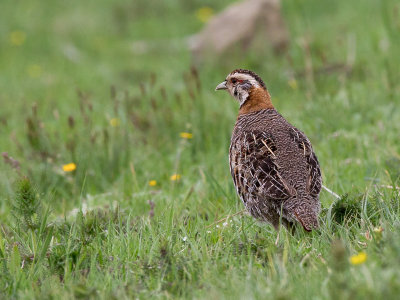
114 147
55 47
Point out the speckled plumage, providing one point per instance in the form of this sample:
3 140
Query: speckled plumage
274 168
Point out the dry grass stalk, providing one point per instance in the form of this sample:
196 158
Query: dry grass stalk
331 192
226 218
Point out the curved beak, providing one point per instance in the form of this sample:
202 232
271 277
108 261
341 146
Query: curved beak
221 86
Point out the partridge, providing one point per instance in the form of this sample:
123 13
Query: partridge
274 168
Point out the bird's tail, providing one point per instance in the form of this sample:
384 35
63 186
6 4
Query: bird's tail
305 211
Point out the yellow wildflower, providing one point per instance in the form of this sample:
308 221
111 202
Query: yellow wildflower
293 83
378 229
358 259
34 71
17 38
152 183
114 122
69 167
186 135
204 13
175 177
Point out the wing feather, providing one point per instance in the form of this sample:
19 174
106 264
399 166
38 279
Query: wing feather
314 180
253 167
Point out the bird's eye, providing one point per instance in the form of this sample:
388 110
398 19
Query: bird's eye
234 80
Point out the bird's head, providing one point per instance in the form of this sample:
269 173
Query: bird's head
245 85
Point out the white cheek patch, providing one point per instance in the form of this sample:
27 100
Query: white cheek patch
240 94
242 97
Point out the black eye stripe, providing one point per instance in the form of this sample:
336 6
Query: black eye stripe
234 80
251 73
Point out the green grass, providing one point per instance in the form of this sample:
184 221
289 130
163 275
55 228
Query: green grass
102 231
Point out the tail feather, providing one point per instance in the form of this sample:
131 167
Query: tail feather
305 212
308 222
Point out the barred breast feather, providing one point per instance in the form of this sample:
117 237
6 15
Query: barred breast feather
275 170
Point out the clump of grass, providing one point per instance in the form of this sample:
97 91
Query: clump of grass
75 248
26 205
351 208
347 208
37 137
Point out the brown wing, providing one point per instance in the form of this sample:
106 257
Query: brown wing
314 180
253 167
